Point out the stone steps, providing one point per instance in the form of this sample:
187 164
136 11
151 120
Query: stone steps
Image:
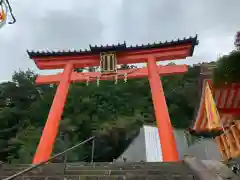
189 169
98 171
166 177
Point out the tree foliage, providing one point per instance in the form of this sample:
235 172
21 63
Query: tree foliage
227 70
114 113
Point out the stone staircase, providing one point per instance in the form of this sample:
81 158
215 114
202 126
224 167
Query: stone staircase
98 171
189 169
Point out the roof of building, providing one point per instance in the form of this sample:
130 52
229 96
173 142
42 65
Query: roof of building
117 47
205 71
226 97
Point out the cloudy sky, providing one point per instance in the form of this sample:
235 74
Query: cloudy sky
74 24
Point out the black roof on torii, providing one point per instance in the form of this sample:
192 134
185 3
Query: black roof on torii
115 47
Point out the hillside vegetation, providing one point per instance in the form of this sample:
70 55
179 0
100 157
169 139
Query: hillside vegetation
114 113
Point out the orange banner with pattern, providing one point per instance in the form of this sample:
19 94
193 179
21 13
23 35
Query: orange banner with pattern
211 109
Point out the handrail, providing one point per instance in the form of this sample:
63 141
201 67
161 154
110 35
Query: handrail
51 158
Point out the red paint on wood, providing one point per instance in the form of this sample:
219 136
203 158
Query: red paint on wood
231 104
50 130
167 140
228 86
132 73
219 101
226 98
140 56
233 111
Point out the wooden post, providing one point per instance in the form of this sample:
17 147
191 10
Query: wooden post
167 140
236 135
221 147
50 130
225 145
232 143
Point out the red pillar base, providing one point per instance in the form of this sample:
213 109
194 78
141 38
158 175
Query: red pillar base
167 139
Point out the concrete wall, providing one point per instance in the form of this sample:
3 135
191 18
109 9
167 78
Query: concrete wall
205 149
136 151
181 141
146 146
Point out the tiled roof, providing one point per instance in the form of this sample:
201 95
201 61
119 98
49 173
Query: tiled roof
118 47
106 48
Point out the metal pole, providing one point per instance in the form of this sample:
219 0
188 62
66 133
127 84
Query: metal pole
93 148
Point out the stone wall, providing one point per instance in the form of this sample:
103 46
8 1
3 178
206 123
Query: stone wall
205 149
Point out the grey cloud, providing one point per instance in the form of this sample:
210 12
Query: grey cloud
217 20
45 29
67 31
76 23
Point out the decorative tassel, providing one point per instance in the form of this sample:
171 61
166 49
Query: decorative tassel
125 78
87 82
98 80
116 79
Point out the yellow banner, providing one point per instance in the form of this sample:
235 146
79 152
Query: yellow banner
211 109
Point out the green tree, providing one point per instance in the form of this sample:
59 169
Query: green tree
113 113
227 70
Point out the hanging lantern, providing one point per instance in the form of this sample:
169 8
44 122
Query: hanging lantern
87 82
116 79
98 81
125 78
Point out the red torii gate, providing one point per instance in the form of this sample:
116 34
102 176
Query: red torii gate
108 57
